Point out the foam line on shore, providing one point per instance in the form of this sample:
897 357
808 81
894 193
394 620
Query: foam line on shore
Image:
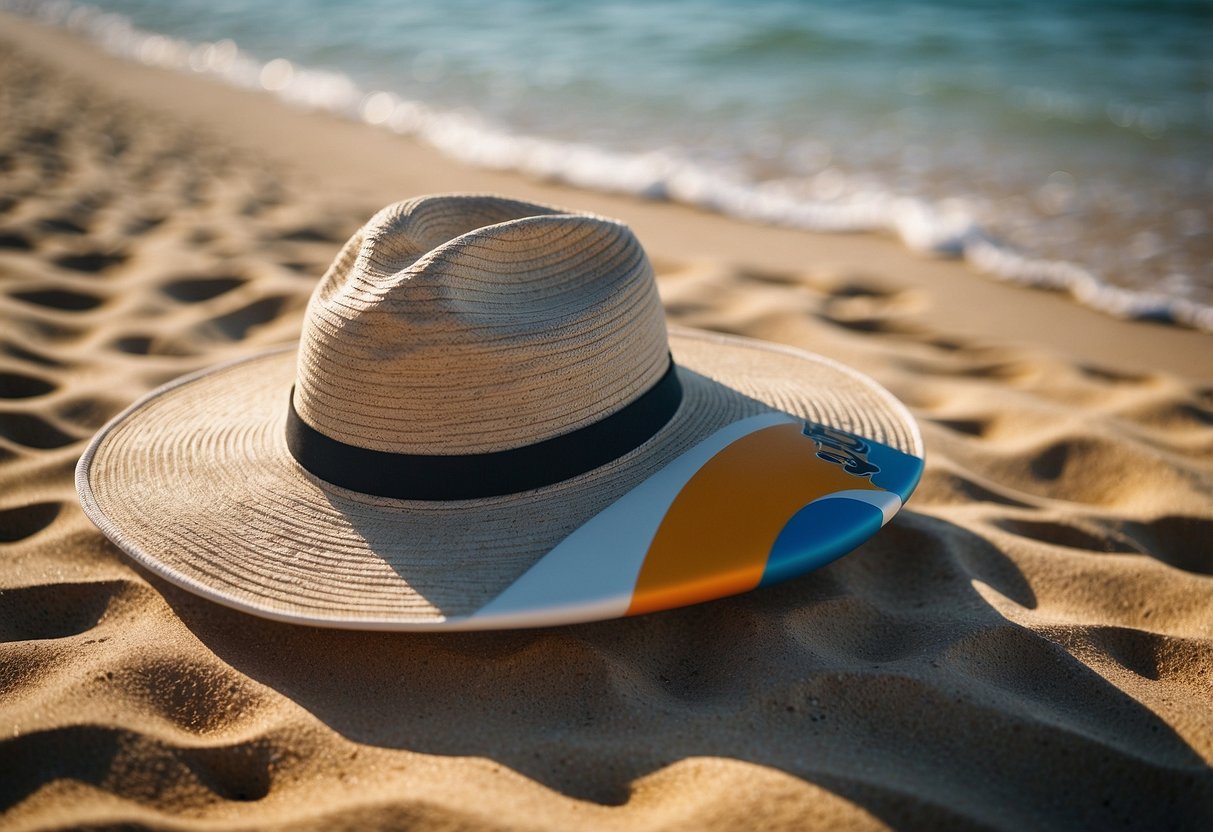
940 228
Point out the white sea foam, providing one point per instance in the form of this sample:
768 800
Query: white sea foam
830 203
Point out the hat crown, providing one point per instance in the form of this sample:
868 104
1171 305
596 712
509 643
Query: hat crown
474 324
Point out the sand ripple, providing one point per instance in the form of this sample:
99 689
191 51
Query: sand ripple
1029 645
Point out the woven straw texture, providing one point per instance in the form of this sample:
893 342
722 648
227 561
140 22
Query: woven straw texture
458 325
196 482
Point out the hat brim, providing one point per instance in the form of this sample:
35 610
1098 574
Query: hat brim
195 483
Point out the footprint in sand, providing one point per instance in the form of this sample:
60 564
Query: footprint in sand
143 224
90 262
33 431
1057 533
15 241
314 234
26 521
62 225
133 344
28 355
1182 541
237 324
867 307
60 610
20 386
198 289
63 300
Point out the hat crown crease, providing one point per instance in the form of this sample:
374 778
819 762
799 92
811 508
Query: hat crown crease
466 325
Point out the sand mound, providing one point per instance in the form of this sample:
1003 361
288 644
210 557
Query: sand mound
1029 644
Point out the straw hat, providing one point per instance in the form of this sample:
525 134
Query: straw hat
487 424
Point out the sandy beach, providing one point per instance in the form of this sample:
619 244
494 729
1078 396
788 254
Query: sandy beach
1028 645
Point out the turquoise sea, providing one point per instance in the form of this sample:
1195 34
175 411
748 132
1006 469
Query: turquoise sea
1064 144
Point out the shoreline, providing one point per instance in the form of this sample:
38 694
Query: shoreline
375 168
925 225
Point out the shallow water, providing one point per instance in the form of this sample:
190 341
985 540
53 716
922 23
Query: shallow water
1062 144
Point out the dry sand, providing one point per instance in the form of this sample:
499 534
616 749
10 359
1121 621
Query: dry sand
1028 645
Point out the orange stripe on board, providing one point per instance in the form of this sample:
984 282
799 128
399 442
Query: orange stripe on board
715 539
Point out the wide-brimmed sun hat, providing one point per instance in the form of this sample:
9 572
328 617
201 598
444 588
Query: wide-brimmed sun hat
486 423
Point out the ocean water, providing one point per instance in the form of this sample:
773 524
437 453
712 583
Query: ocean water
1062 144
